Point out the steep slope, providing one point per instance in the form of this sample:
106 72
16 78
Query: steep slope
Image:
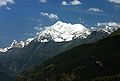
48 43
81 63
5 77
5 74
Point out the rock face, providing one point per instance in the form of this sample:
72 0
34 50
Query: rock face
48 43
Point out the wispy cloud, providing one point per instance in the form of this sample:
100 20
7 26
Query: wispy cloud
43 1
6 2
74 2
95 10
50 15
109 24
114 1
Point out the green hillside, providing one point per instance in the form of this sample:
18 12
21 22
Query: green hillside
99 61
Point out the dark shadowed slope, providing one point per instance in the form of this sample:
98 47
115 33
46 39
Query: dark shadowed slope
85 62
5 74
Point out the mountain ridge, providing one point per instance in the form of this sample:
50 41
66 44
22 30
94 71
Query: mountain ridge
61 32
24 55
87 62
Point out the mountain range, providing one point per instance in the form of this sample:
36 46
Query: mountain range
98 61
49 42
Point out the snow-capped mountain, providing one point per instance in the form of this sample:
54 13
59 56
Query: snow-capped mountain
16 44
5 49
49 42
2 50
107 29
61 31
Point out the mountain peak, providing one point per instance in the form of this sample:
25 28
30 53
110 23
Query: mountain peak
61 31
13 43
16 44
58 23
68 27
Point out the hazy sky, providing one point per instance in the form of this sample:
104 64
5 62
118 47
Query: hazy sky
20 18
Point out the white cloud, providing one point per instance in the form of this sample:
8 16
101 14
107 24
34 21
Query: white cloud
43 1
8 8
95 10
50 15
6 2
64 3
114 1
74 2
109 24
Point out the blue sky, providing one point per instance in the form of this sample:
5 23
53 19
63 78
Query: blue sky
18 18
